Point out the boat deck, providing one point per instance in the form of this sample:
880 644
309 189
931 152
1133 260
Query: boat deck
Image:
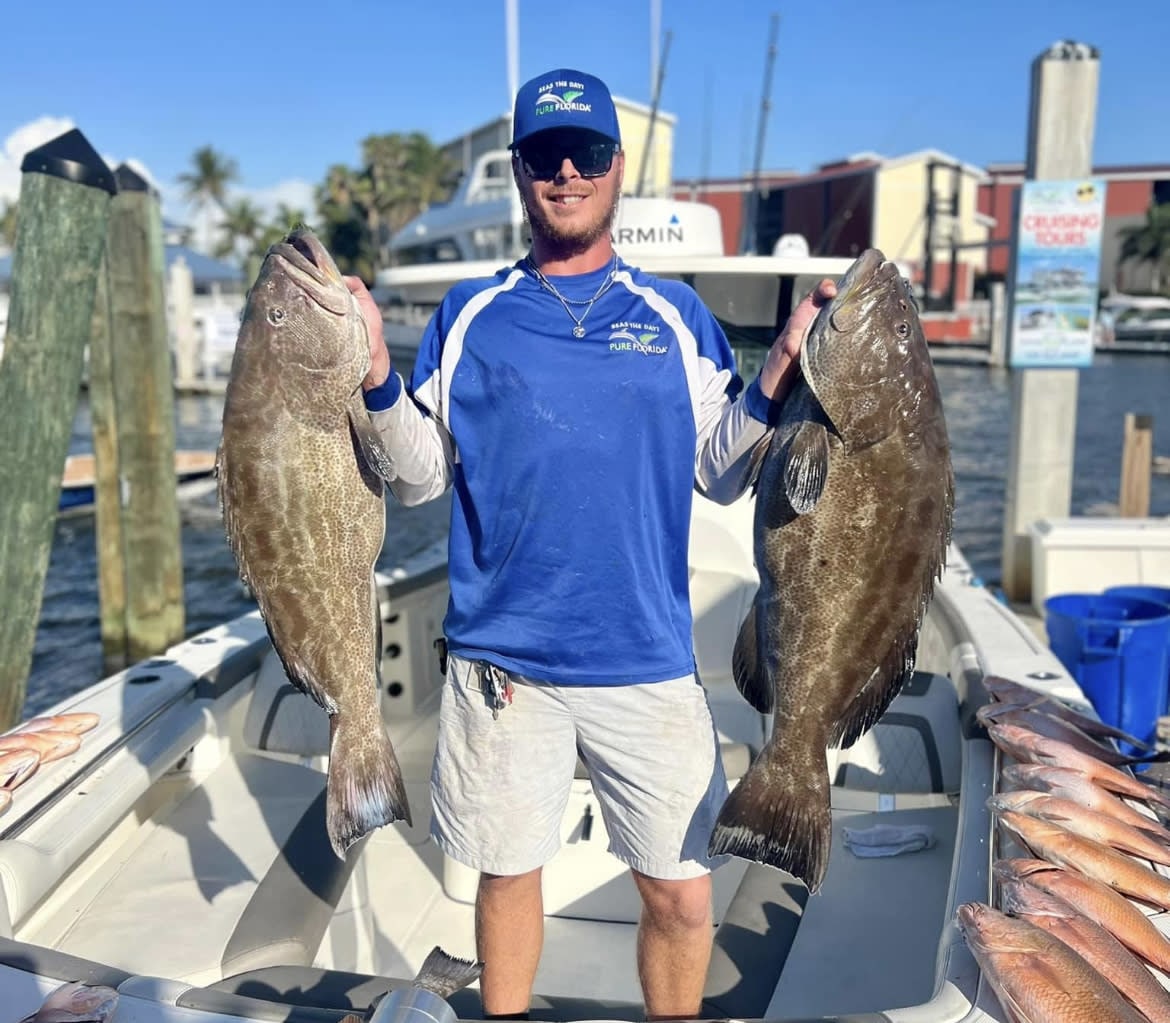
218 849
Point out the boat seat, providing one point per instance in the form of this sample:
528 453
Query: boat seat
908 767
915 748
352 992
245 871
752 943
282 719
852 915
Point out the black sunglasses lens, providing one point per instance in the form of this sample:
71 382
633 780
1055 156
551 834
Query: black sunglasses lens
591 160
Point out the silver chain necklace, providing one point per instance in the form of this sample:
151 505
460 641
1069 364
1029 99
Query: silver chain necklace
578 329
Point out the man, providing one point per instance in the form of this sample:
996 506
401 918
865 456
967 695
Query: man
574 402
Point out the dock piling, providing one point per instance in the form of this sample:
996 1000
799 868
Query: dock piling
107 489
65 199
1137 464
144 412
1061 123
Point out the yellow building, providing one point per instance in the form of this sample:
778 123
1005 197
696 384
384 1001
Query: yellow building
903 220
868 200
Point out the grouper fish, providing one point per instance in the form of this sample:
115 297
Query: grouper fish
300 476
854 503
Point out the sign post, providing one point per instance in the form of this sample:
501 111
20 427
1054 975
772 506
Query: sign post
1044 398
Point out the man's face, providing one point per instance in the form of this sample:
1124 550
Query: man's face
570 193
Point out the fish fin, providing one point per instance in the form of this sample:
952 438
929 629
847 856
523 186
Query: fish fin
1149 758
364 789
774 817
445 974
750 677
366 440
756 458
878 693
806 466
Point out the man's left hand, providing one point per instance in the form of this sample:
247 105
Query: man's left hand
780 366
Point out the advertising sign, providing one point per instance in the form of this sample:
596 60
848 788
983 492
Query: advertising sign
1056 273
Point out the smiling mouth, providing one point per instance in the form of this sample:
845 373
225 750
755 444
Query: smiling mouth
566 200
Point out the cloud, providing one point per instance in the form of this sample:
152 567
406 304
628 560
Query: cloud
26 137
293 192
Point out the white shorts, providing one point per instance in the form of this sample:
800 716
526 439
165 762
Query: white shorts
500 785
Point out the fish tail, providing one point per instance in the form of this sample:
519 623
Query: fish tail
774 817
445 974
364 789
748 669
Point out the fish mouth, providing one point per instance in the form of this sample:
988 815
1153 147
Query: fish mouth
859 291
302 256
850 303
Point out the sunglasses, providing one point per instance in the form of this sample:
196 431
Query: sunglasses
542 161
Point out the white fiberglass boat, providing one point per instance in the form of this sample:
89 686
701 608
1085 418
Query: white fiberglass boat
179 855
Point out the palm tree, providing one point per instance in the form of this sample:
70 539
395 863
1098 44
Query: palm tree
240 229
407 173
1149 242
287 217
207 181
343 203
206 184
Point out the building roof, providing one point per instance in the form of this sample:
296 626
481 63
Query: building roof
204 269
1014 171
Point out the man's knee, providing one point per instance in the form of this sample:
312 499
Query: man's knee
505 884
674 904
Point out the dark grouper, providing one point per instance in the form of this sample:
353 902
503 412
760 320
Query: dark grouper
852 520
305 517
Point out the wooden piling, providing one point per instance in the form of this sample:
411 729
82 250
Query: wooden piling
107 487
1137 461
144 410
64 208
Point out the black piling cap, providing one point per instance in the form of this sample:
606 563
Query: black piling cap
129 180
70 156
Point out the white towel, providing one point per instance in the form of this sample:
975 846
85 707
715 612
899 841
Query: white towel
888 839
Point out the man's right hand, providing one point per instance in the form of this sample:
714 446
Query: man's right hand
379 355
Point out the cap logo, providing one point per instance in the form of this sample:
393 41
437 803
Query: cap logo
563 99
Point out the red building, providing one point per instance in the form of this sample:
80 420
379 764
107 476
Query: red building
729 197
1130 191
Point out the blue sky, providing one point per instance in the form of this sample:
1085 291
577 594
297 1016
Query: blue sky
289 88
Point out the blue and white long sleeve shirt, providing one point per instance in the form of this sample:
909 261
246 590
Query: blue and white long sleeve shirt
573 463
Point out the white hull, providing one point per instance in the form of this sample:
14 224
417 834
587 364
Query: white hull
165 856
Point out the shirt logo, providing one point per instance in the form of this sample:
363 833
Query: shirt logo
642 338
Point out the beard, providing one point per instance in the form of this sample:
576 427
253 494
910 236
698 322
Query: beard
565 240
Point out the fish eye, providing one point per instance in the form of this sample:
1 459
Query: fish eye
276 316
902 329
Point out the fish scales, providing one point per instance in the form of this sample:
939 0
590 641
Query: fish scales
853 516
1036 976
300 473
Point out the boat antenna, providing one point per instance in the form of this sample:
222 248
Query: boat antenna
748 239
653 115
705 161
512 31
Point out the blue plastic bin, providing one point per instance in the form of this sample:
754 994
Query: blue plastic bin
1158 594
1117 647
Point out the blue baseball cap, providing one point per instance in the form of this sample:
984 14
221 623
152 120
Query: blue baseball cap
564 99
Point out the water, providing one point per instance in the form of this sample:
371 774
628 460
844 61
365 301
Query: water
67 655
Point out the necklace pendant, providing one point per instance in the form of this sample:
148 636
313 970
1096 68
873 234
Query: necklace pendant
578 331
